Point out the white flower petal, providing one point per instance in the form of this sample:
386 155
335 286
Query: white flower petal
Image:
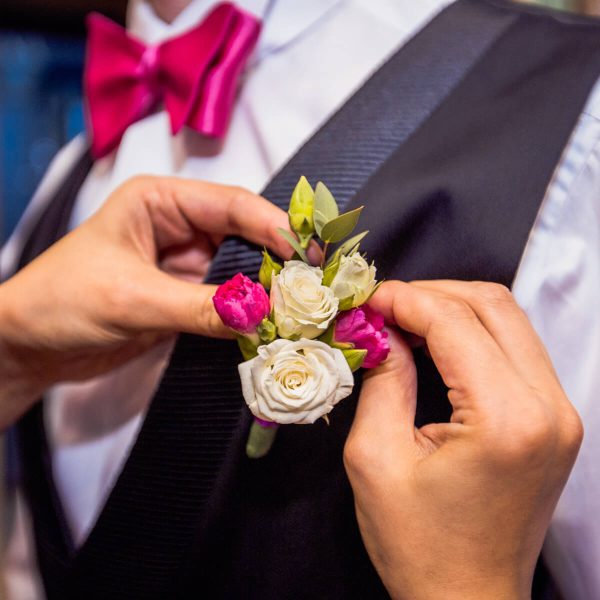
355 277
302 306
319 378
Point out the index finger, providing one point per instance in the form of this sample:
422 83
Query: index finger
508 324
467 357
179 208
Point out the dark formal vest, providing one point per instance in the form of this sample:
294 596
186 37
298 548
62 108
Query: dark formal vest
450 146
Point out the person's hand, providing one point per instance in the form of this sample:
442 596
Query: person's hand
121 281
460 509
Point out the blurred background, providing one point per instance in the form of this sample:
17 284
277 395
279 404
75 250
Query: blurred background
41 59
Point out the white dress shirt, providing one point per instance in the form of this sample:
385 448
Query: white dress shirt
306 65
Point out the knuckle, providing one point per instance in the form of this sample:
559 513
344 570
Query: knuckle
145 188
542 431
538 436
237 202
361 457
240 196
204 317
138 181
493 293
572 429
138 185
201 314
452 309
528 439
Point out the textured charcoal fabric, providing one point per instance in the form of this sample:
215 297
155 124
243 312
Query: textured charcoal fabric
450 146
54 220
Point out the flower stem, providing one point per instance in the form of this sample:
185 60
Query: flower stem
325 248
261 438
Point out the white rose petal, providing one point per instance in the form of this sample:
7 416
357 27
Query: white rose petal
295 382
302 306
355 277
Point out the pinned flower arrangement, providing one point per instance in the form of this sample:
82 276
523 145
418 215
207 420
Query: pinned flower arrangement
302 342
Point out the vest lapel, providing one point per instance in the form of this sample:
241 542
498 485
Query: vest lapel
53 223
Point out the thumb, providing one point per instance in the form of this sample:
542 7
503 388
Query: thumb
173 305
385 413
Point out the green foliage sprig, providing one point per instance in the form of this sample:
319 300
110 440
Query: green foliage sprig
315 213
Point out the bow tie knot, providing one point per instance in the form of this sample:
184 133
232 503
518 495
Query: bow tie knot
195 75
148 74
148 67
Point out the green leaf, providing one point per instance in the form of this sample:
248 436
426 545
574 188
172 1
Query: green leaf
267 269
335 256
343 345
326 208
348 246
327 337
294 243
247 347
355 358
336 230
346 303
331 270
374 290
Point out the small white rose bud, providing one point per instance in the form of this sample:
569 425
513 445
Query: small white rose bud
355 279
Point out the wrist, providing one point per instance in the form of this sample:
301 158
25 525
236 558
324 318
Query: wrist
483 588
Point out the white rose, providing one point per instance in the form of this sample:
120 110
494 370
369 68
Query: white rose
302 306
295 382
355 278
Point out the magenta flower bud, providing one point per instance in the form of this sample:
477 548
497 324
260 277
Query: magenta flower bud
363 327
242 304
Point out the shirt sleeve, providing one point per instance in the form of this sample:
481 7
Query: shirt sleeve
558 285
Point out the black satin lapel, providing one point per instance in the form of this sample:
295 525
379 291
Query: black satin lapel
53 539
513 128
54 220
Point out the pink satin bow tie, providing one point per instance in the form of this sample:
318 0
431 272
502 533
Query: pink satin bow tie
195 75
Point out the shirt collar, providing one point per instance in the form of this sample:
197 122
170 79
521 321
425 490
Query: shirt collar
286 21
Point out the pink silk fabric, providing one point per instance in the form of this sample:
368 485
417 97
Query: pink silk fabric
195 75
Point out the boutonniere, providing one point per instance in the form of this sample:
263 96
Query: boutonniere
302 341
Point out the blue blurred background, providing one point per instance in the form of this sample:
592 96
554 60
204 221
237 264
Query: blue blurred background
41 60
40 109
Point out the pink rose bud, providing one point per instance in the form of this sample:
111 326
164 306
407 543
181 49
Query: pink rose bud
363 327
242 304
